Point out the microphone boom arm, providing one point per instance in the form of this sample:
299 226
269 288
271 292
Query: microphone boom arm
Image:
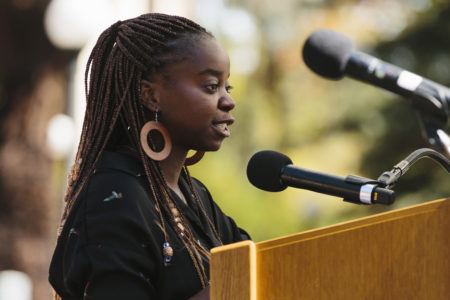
435 136
389 178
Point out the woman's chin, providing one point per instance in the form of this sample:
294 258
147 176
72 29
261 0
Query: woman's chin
211 148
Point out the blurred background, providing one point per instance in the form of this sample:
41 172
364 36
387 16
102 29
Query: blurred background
338 127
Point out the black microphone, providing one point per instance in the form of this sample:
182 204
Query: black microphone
331 55
272 171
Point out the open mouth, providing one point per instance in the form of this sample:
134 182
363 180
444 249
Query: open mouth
222 127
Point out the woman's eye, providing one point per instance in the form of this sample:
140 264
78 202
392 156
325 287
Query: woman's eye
212 87
228 88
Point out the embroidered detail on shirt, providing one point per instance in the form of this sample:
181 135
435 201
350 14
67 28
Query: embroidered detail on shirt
143 276
73 231
113 196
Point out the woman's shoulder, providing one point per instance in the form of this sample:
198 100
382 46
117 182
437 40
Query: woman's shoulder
116 199
111 227
117 176
119 168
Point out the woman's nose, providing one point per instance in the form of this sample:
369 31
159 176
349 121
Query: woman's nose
226 102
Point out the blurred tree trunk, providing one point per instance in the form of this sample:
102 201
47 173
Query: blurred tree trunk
32 90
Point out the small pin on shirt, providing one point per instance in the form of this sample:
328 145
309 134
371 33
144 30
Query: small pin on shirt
113 196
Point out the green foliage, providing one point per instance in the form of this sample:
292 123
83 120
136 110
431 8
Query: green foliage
339 127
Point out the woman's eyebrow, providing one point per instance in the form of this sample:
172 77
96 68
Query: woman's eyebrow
213 72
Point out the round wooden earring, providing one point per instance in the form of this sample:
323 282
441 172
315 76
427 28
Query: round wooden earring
164 153
194 158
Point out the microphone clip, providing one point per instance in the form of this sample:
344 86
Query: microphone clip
389 178
369 192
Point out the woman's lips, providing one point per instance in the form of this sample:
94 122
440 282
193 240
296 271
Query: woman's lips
222 127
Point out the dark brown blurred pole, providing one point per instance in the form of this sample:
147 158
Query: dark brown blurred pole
32 89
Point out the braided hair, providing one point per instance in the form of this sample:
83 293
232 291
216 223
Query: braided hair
125 53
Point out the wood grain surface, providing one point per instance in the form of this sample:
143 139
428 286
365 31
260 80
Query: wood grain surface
402 254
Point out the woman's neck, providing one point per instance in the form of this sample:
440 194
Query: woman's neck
172 166
171 169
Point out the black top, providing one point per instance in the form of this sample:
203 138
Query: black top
111 244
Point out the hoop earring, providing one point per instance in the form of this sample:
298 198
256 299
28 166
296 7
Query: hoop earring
155 125
194 158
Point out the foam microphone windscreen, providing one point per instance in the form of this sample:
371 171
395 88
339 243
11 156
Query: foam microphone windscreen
326 52
264 170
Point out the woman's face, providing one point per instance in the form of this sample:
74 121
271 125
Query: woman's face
194 100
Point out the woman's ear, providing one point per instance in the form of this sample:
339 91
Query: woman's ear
149 95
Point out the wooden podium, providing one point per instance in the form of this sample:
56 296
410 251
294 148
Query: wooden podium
402 254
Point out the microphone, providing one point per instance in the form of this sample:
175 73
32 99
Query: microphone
272 171
331 55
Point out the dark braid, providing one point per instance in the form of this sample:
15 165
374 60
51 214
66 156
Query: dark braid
124 54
